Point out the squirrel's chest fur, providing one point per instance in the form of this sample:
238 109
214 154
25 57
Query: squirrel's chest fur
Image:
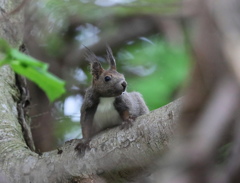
106 115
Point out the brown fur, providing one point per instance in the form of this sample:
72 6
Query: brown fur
128 105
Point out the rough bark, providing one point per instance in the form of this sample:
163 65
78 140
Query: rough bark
11 26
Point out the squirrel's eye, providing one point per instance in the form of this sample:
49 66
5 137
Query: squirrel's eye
107 78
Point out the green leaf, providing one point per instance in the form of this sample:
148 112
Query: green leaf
27 60
33 70
53 86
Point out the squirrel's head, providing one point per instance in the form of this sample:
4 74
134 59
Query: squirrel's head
106 83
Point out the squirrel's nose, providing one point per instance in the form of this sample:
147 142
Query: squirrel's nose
124 84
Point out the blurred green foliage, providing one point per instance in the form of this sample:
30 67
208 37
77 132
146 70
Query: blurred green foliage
223 153
159 68
93 10
64 127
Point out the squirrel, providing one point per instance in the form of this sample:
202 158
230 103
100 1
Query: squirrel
107 103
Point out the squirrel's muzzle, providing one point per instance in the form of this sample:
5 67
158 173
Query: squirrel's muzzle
124 85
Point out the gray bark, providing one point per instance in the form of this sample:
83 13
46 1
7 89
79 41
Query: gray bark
11 25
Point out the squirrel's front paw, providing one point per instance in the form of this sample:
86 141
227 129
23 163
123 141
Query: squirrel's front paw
128 123
82 146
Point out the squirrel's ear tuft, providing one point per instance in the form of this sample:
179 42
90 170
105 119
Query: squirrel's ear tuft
90 56
96 68
110 58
